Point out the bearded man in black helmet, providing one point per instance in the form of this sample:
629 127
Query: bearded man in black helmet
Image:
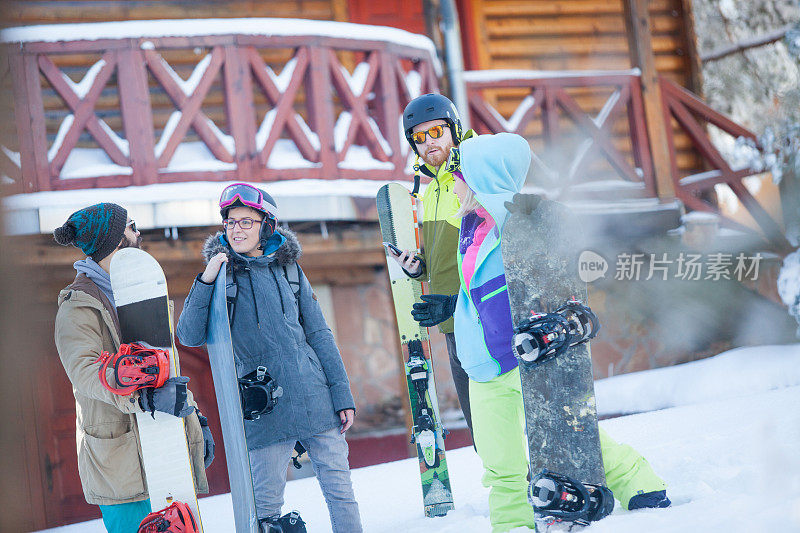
432 127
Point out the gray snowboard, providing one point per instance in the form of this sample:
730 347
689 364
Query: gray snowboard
540 252
226 387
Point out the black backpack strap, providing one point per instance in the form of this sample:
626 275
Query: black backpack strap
293 277
231 292
292 273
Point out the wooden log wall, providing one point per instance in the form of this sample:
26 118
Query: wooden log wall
580 35
26 12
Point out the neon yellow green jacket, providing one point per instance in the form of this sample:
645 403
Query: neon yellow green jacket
440 229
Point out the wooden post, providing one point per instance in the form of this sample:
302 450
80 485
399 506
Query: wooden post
137 115
240 110
22 116
695 64
320 108
640 48
35 113
388 107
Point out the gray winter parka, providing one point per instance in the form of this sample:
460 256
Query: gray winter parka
301 356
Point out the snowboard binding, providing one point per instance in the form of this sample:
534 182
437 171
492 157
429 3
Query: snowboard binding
177 518
424 430
584 324
136 366
559 498
288 523
259 393
544 336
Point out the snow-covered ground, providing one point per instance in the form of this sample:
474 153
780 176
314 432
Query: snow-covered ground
726 440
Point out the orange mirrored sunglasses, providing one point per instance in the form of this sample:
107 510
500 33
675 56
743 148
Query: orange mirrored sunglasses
434 131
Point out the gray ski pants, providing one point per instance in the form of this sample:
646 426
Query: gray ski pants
328 454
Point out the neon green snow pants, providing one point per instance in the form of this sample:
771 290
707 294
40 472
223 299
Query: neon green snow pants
498 422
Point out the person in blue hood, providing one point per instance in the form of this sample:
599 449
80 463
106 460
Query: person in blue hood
490 170
280 327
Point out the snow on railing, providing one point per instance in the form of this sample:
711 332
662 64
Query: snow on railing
570 143
692 116
333 92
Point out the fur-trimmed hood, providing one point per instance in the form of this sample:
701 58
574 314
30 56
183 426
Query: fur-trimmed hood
288 253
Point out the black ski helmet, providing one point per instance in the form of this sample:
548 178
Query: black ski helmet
427 107
245 195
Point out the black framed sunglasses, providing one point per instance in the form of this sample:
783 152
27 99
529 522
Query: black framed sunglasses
132 225
245 223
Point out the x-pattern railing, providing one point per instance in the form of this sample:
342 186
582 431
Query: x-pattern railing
283 115
549 101
189 106
322 111
83 112
690 112
317 107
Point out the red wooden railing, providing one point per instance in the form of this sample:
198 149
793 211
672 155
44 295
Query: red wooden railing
688 111
550 115
333 123
548 112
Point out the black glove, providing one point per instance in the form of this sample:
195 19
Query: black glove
168 398
208 441
524 204
433 309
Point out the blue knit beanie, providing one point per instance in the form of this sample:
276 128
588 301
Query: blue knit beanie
97 230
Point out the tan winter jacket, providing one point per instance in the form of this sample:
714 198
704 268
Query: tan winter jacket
109 454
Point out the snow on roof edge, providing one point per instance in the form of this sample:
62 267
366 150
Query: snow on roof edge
214 26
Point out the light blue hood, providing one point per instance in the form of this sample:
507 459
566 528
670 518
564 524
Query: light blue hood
495 167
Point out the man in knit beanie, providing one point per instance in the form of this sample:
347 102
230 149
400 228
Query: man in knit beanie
98 230
87 324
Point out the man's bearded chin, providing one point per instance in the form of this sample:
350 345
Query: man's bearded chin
436 159
130 243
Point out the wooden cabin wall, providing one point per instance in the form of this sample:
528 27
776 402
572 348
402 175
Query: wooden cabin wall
578 35
25 12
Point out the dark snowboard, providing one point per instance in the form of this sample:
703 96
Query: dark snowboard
540 254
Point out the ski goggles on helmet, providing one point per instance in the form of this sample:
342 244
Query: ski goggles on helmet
434 131
249 196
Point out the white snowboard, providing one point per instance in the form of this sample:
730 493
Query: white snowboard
140 294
